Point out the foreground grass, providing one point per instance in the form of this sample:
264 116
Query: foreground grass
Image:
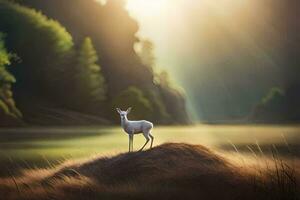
169 171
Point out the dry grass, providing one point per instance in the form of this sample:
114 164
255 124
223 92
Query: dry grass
169 171
278 180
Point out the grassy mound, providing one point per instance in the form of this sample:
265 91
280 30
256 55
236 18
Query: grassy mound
169 171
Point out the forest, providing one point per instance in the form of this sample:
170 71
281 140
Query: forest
88 49
74 63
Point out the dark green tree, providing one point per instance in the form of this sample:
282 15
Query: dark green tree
274 98
9 114
89 83
272 108
173 97
43 46
134 97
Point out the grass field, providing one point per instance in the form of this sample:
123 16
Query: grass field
41 147
248 162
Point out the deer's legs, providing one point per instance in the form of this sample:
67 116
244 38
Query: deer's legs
130 142
147 140
152 139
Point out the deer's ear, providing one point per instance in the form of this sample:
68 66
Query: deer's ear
128 110
118 110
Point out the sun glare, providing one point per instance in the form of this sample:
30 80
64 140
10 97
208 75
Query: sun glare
146 8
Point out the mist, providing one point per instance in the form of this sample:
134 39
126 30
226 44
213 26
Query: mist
227 54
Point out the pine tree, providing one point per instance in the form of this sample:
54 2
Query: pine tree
89 81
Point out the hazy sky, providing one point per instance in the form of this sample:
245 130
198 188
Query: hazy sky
164 23
174 26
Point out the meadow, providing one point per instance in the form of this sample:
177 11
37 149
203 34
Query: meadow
249 162
40 147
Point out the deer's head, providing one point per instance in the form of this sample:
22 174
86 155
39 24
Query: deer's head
123 114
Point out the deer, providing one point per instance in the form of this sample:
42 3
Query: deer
136 127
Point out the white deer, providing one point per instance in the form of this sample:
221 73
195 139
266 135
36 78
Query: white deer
135 127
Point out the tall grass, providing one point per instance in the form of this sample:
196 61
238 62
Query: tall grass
275 178
279 183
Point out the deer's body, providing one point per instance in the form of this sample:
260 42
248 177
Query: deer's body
136 127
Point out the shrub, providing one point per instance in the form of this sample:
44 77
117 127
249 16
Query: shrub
134 97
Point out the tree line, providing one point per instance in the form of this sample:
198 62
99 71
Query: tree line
82 61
